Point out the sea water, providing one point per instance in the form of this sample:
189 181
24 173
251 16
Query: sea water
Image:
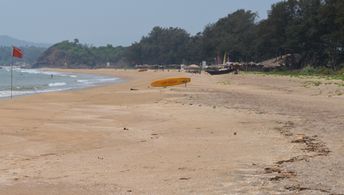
31 81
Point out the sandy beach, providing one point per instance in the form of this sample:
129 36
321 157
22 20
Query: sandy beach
231 134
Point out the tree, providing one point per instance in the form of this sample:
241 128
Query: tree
234 34
76 41
312 29
161 46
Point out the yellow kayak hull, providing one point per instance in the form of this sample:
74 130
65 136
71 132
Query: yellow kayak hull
170 82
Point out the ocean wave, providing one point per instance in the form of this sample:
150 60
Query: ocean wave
29 71
35 82
6 68
39 71
4 94
106 80
59 84
7 93
83 81
96 81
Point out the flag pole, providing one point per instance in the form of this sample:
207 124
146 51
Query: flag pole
12 76
16 52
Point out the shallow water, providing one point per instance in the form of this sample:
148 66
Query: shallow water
31 81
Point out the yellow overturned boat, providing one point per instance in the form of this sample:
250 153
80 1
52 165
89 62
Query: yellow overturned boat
171 82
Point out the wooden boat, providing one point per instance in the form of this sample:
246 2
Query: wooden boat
220 71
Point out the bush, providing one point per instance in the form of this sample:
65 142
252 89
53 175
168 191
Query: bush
308 70
341 72
325 71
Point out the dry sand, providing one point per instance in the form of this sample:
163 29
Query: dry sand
230 134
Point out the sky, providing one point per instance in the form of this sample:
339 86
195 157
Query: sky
116 22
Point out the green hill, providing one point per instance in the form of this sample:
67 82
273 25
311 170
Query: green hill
68 54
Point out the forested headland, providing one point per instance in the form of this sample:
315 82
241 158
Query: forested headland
68 54
312 29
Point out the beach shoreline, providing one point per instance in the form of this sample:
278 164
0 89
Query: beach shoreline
35 81
224 134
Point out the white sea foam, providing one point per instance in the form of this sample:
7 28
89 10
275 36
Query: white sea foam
6 68
4 94
96 81
57 84
39 71
30 71
83 81
106 80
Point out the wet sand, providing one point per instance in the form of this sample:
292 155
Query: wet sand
248 134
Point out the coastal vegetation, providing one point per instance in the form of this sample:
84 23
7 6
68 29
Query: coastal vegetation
310 29
68 54
320 72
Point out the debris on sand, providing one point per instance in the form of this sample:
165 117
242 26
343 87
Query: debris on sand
184 178
299 138
299 188
312 144
294 159
283 175
272 170
286 128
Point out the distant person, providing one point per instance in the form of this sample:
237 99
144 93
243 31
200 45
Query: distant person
51 76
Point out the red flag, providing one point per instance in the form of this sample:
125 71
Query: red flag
16 52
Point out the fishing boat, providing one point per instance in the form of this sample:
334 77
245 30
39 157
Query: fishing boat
219 71
223 68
